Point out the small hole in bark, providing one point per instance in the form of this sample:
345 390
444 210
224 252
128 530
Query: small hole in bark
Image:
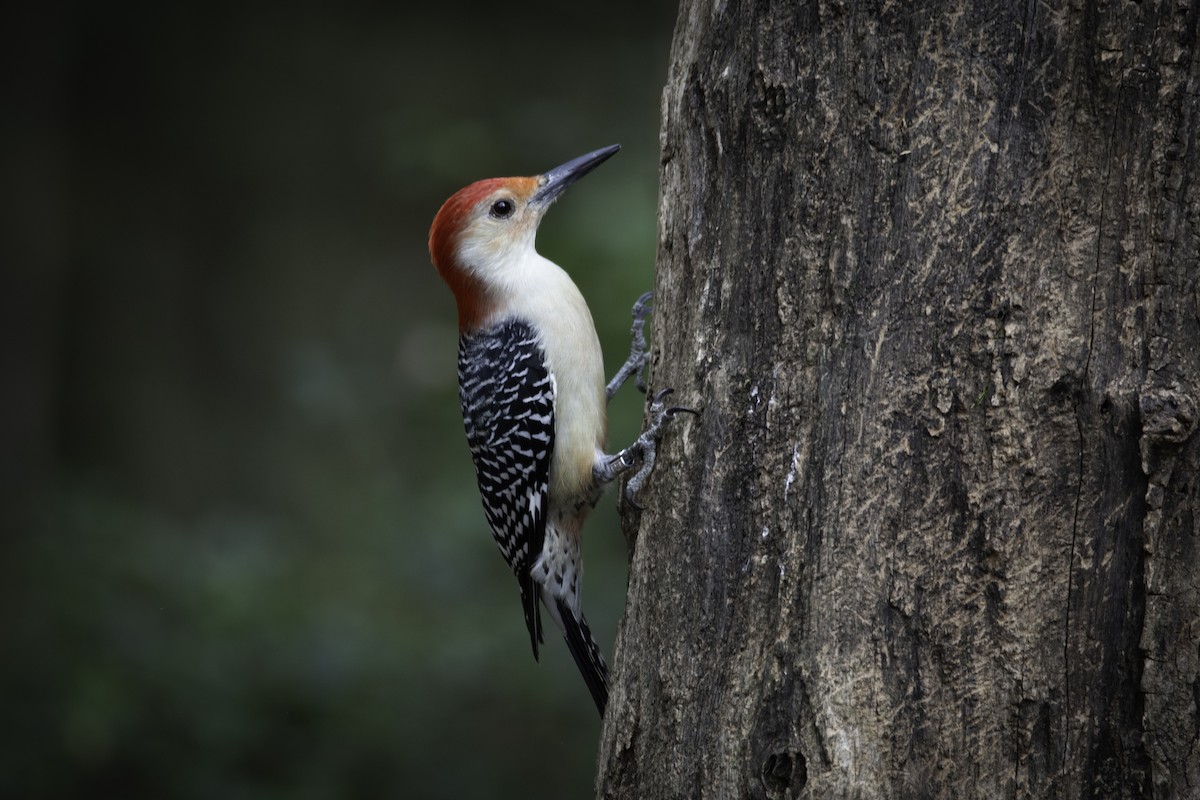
783 773
1067 388
1061 386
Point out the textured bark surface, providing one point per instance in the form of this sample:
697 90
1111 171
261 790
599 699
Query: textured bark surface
931 272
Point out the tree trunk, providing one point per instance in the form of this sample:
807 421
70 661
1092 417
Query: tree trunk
931 274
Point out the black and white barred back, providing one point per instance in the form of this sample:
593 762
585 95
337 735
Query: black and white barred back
507 396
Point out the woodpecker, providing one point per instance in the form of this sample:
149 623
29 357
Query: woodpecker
531 385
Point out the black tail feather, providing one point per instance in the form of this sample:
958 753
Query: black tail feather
587 655
533 616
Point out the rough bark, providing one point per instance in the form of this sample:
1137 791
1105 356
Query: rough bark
931 273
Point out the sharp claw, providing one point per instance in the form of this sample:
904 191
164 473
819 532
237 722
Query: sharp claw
643 305
647 444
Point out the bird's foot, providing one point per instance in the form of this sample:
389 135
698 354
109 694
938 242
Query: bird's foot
635 365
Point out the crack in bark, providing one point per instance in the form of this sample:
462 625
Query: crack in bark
1079 400
1070 589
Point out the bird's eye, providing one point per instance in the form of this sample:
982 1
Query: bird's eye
502 209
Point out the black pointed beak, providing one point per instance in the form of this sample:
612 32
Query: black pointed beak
552 184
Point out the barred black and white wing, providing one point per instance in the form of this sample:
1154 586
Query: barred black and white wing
507 396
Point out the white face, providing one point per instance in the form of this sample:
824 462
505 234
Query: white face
499 233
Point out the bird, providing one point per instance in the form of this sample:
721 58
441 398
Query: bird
533 394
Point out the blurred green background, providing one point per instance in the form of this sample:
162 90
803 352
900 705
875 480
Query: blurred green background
242 553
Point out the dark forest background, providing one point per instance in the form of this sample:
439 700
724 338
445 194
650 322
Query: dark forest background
242 556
